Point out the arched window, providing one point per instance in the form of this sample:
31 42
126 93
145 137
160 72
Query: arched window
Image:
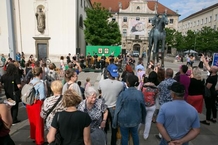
81 21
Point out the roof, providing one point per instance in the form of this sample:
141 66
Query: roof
201 11
114 5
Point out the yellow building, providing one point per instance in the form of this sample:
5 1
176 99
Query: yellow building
129 12
206 17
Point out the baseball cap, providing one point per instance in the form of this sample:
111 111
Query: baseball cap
112 69
177 88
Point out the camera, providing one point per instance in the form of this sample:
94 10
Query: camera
200 54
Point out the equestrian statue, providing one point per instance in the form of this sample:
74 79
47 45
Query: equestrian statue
157 36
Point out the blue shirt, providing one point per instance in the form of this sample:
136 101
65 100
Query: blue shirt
178 118
164 92
17 57
40 88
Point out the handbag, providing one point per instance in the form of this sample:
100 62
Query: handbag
58 139
207 92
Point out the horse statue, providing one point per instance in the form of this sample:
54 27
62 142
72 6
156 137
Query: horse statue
156 35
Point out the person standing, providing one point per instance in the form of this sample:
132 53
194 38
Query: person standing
109 89
130 103
210 101
149 91
164 92
33 111
3 59
72 124
71 78
171 116
12 86
183 79
196 90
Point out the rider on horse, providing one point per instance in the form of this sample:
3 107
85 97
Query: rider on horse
155 21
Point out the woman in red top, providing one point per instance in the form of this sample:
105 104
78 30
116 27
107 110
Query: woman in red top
5 125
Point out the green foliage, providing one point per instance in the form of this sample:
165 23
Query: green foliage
203 41
98 29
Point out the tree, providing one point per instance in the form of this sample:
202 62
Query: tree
207 40
98 29
170 36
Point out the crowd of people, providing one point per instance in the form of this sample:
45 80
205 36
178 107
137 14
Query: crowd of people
73 114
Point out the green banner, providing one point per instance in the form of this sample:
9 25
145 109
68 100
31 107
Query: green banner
106 50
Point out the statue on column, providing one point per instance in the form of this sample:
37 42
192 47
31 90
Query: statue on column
40 17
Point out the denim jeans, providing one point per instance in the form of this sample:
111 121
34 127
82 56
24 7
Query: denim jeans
164 142
125 135
113 131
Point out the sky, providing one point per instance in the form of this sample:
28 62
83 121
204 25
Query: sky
187 7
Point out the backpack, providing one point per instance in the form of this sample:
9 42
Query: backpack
28 93
149 93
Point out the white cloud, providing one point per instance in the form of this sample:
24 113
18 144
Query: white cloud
188 7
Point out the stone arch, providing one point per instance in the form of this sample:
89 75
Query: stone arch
136 47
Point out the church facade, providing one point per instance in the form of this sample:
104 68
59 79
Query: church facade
45 28
134 19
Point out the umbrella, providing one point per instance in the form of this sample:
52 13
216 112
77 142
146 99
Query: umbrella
190 51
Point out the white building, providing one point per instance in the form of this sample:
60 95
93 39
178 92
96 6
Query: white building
61 34
206 17
131 12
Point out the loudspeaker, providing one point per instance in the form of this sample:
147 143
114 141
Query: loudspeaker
77 50
123 51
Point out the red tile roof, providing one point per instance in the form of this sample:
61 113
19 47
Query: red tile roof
114 5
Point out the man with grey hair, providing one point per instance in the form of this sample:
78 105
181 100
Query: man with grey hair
175 113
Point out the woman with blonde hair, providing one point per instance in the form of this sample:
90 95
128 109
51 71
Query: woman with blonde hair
73 125
196 90
33 111
52 104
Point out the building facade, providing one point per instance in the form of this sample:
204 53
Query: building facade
45 28
134 19
206 17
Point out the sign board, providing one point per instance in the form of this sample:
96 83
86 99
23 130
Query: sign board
215 59
106 50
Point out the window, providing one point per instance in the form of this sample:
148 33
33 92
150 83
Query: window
84 4
202 21
138 8
81 21
214 27
81 3
136 37
215 17
194 24
124 19
171 21
210 19
137 18
113 19
198 22
124 32
205 21
150 20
